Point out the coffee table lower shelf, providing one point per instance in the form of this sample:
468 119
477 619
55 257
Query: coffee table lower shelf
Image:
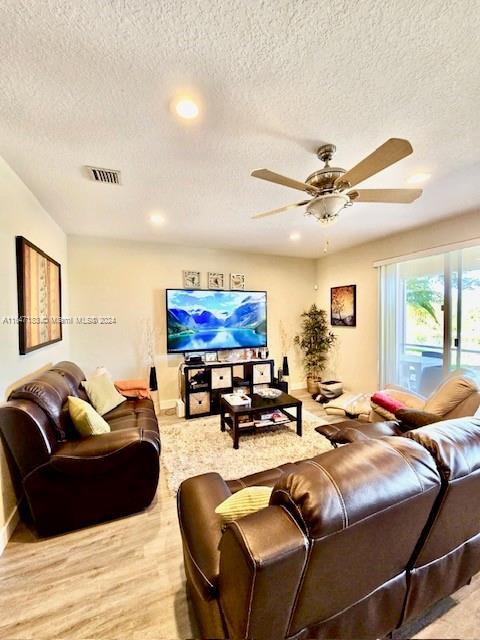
229 416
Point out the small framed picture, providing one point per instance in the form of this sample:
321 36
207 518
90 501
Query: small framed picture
216 280
237 281
191 279
210 356
343 306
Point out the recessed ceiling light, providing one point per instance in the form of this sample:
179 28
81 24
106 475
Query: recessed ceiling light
295 236
186 108
157 218
418 178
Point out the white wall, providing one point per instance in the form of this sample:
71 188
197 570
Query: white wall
355 358
128 281
22 214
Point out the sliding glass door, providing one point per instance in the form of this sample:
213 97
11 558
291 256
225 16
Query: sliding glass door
430 318
464 342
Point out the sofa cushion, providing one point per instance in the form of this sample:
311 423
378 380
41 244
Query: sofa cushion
453 444
134 421
74 375
131 405
356 430
49 391
134 413
339 488
450 393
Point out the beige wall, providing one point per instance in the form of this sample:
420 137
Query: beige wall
21 214
355 358
128 281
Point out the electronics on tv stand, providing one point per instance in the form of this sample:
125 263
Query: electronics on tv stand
194 359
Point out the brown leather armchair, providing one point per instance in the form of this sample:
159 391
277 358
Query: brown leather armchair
68 481
355 541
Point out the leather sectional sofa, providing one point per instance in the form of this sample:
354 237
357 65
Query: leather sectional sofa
68 481
355 542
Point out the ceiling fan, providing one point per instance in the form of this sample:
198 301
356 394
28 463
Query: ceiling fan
330 187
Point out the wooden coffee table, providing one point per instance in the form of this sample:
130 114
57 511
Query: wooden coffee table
229 415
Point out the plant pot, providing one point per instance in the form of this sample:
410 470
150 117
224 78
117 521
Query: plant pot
312 385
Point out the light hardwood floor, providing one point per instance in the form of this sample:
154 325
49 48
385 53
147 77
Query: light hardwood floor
124 579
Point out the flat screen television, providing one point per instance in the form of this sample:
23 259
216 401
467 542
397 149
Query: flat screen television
202 320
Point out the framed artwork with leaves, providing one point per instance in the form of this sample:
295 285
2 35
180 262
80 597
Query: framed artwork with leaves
39 285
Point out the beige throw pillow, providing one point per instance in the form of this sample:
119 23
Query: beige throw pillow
449 394
243 503
102 393
86 420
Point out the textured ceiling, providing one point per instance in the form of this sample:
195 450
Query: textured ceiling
90 82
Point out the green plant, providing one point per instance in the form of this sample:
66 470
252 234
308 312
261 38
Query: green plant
422 296
315 340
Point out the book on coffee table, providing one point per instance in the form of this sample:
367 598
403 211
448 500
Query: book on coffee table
237 400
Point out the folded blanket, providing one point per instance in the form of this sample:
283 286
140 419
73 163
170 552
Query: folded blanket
384 400
133 388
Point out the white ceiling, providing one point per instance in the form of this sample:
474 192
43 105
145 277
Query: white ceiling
90 82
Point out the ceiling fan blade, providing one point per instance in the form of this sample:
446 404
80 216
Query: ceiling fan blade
401 196
271 176
280 210
388 153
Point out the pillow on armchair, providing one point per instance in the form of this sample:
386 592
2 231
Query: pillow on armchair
386 401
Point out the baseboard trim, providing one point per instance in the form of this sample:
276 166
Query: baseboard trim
8 528
168 404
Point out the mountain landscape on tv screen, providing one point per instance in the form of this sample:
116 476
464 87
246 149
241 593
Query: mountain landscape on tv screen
198 320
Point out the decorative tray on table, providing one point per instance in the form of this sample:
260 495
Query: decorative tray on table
268 393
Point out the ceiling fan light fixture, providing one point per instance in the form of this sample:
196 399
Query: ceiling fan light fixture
326 208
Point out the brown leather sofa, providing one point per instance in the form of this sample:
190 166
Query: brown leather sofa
68 481
355 542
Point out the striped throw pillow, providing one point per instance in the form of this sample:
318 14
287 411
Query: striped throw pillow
243 502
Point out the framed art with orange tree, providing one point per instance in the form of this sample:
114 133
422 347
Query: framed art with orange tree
39 285
343 306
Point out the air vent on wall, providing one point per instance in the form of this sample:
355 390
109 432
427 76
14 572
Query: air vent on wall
110 176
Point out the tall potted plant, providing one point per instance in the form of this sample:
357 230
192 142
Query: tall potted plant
315 340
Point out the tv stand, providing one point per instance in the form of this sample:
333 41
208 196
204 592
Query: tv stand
202 385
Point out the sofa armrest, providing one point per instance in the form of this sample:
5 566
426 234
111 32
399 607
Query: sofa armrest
262 558
102 452
27 433
415 418
201 530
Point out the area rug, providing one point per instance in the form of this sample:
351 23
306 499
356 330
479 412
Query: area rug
192 447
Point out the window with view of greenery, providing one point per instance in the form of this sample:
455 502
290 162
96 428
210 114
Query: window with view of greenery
437 319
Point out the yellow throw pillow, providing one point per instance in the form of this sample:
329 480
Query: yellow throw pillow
86 420
243 502
102 393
